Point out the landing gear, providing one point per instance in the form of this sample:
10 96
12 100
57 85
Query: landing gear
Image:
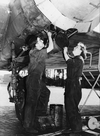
20 97
20 103
19 106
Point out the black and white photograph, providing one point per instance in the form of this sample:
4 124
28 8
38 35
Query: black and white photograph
49 67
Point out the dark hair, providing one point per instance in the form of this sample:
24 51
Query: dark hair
32 39
43 36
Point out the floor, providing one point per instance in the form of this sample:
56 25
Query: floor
10 125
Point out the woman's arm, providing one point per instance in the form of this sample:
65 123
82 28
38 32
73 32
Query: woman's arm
66 53
50 47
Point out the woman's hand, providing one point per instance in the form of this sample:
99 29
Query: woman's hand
66 53
65 49
48 33
50 47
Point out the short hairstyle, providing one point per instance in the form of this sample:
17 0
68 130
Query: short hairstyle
32 39
43 36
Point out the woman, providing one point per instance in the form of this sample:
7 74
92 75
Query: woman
36 67
72 95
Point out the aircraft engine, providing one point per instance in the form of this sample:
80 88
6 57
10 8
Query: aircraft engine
24 18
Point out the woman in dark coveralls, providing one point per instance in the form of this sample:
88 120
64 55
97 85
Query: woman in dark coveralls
36 68
72 95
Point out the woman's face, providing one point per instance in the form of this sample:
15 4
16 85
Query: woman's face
39 45
77 50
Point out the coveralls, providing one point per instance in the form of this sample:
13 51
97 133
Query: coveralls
33 85
73 93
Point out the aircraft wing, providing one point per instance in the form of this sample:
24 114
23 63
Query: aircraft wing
20 18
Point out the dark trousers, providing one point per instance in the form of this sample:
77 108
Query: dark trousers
37 97
43 100
72 97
